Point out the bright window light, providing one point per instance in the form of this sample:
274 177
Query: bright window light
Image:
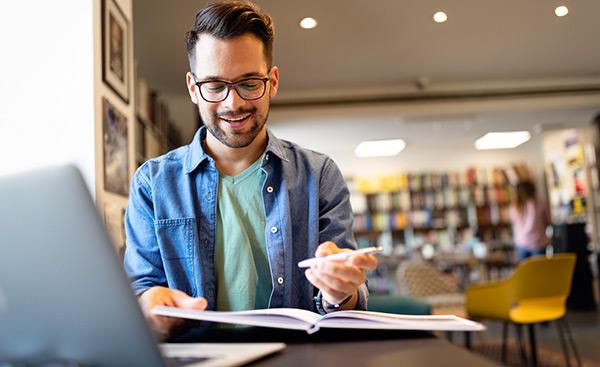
379 148
502 140
561 11
440 17
308 23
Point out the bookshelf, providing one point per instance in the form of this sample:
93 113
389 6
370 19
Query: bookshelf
437 208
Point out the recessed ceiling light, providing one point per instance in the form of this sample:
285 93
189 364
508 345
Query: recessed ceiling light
379 148
308 23
440 17
502 140
561 11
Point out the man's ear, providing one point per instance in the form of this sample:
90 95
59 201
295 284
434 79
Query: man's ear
191 87
274 76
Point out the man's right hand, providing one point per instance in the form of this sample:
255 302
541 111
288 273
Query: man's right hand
166 327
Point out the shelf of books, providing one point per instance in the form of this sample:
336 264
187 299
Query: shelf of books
444 212
573 181
410 209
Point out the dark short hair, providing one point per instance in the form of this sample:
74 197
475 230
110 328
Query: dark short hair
230 19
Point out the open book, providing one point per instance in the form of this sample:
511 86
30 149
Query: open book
294 318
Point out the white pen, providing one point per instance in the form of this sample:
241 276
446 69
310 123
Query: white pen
340 256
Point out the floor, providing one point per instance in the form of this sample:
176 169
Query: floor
585 327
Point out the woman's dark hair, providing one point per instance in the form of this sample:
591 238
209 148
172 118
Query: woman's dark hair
227 20
525 191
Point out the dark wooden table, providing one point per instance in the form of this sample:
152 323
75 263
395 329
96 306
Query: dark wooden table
347 347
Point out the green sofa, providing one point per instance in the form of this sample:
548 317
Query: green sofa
398 304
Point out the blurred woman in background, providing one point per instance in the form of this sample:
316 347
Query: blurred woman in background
529 218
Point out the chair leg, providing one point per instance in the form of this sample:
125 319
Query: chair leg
504 340
532 346
571 341
563 343
468 340
519 329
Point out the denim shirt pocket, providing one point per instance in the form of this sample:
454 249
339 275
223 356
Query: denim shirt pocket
176 239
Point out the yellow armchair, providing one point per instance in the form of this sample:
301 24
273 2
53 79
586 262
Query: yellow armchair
536 292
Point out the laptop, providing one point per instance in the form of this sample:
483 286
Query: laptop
64 296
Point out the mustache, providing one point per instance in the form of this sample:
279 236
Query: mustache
234 112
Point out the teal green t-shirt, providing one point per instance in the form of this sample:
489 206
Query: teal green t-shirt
241 260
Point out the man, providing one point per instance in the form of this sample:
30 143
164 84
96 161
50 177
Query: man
222 223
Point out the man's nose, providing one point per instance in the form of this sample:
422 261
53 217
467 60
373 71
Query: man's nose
233 101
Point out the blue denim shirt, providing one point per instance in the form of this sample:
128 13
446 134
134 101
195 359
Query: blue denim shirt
171 220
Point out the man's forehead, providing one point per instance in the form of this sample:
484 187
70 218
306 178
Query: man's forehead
229 58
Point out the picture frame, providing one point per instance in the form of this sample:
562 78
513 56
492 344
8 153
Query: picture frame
115 49
115 149
114 221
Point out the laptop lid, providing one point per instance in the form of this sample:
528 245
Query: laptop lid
63 292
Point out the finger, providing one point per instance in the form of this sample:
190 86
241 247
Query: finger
326 249
364 261
342 270
181 299
334 284
314 280
193 303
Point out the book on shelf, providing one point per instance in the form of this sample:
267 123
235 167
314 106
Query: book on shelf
298 319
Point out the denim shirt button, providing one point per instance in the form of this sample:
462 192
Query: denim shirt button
274 229
270 189
280 280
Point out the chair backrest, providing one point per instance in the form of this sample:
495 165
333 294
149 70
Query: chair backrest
421 279
541 276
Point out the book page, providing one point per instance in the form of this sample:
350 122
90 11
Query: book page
380 320
285 318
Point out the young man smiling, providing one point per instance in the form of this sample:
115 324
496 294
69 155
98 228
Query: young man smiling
221 223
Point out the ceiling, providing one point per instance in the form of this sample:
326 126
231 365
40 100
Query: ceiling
367 47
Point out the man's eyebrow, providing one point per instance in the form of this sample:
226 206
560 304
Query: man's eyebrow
246 75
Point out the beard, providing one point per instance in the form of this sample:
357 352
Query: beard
235 139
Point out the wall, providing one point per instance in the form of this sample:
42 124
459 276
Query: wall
182 113
104 197
47 86
439 136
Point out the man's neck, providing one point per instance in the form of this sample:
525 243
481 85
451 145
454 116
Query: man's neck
232 161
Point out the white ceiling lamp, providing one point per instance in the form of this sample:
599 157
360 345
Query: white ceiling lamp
379 148
308 23
440 17
502 140
561 11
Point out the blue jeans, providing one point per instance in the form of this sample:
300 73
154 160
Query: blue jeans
523 253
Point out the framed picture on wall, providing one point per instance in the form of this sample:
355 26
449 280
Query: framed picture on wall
115 49
114 220
115 150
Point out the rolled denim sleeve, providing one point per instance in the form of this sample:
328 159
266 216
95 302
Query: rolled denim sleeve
143 262
335 217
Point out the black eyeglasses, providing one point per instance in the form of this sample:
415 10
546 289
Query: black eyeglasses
215 91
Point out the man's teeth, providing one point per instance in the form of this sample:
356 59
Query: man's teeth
236 119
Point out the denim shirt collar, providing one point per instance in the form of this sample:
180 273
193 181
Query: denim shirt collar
196 154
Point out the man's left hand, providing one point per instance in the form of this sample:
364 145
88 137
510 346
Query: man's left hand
339 280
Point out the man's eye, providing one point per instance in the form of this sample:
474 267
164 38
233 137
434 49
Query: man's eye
250 84
214 87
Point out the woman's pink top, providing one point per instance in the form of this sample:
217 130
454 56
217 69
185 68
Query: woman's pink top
529 226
